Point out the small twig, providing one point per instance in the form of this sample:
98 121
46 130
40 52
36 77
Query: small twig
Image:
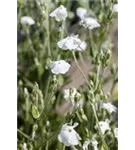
24 134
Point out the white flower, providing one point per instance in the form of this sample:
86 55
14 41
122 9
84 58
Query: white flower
104 126
70 43
81 12
116 133
27 20
67 94
59 67
94 144
115 8
70 94
24 146
59 13
68 136
89 23
109 107
82 46
88 142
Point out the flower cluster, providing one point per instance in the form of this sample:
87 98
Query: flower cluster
66 51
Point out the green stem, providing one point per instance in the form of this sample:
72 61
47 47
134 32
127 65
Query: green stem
28 83
51 96
97 121
47 104
47 27
63 147
73 148
43 144
47 88
81 58
80 69
47 144
63 29
22 133
78 115
61 37
27 108
103 71
91 44
102 4
112 90
29 40
97 76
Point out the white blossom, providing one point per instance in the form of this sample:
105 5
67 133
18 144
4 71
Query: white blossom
70 94
109 107
59 67
81 12
70 43
59 13
94 143
89 23
115 8
116 133
82 46
68 136
27 20
104 126
24 146
86 144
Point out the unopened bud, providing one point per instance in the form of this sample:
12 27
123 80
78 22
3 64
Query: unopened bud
35 127
26 93
35 112
20 83
113 68
48 63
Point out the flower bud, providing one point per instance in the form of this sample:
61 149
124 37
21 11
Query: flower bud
35 112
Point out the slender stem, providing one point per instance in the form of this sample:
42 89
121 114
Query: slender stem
47 27
97 76
81 58
47 88
47 144
47 104
27 108
112 90
91 43
43 144
63 29
24 134
73 148
63 147
102 4
80 119
103 71
28 83
29 39
97 121
61 37
80 69
51 96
